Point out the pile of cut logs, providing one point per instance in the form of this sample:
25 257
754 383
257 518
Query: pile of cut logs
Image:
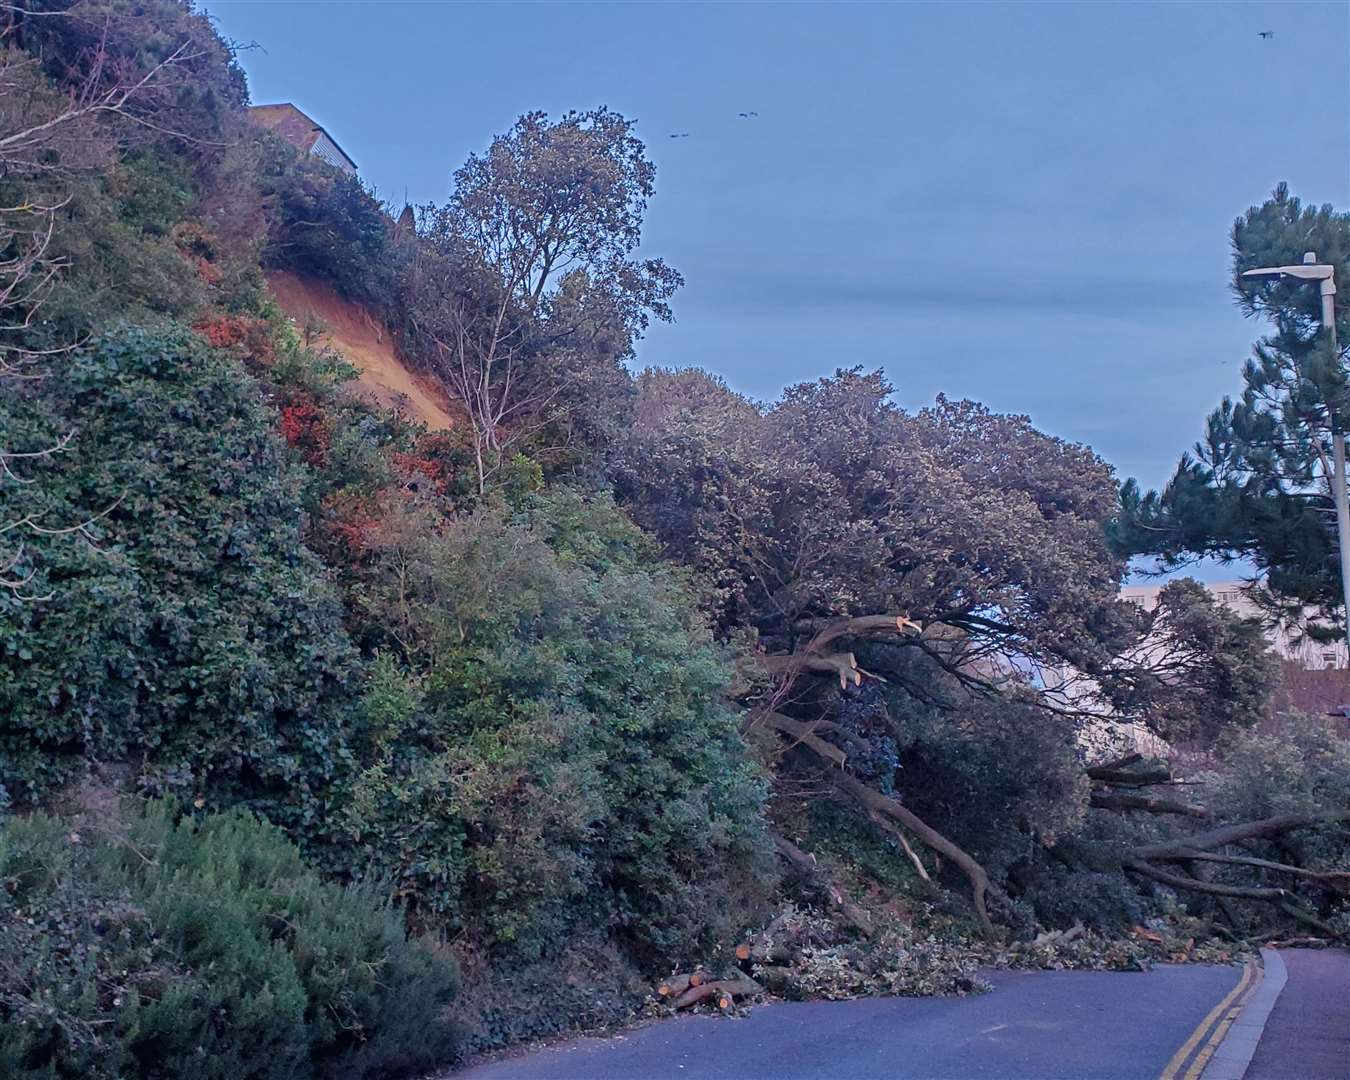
773 962
682 991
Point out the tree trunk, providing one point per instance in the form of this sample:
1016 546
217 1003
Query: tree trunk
872 799
1224 835
1119 800
806 866
732 988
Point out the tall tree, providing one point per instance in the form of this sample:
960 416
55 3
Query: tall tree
1258 485
527 288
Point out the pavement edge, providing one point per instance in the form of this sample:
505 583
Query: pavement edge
1234 1053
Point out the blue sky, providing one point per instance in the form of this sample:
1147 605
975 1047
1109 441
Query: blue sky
1026 204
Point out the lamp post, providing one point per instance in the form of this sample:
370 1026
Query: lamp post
1311 270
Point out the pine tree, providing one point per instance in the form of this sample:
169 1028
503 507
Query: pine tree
1257 487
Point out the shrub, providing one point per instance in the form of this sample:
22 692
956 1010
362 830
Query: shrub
555 727
162 948
998 777
328 224
187 624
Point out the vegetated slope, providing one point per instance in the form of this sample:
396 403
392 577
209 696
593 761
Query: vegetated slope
349 329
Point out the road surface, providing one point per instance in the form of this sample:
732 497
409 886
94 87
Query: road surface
1054 1025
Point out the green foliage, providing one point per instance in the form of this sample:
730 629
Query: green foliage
586 983
92 43
1296 764
836 829
120 114
1256 487
204 948
327 224
1000 776
832 501
183 624
116 231
154 193
1079 879
556 731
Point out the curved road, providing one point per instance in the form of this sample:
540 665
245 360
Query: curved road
1054 1025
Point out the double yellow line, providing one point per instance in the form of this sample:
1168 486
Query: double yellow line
1220 1019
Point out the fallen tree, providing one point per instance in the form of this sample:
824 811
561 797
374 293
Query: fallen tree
1113 800
1200 847
1132 773
800 734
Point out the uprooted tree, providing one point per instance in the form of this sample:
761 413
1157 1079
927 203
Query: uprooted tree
932 605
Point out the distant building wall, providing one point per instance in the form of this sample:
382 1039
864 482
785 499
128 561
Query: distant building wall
1284 641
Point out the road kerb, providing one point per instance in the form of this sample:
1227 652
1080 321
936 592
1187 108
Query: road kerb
1234 1053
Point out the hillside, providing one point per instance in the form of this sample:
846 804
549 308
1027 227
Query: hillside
349 329
430 720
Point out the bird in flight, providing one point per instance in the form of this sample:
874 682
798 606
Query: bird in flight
1267 34
747 115
680 135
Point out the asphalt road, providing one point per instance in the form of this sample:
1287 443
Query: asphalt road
1062 1025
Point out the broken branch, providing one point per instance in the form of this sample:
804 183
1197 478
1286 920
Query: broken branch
1116 800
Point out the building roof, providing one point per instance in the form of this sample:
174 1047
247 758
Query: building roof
295 127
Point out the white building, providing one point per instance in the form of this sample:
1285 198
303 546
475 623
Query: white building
1284 641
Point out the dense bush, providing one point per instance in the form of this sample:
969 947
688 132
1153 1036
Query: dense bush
184 626
327 224
1003 777
203 949
549 714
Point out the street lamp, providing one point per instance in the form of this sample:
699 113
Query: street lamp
1311 270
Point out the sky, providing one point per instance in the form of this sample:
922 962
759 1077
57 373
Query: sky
1024 204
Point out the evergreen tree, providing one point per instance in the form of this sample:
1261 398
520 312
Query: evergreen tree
1257 487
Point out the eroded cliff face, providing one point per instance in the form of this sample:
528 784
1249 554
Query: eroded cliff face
350 330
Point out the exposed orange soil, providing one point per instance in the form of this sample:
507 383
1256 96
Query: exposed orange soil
350 330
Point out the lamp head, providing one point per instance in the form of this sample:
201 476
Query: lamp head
1305 271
